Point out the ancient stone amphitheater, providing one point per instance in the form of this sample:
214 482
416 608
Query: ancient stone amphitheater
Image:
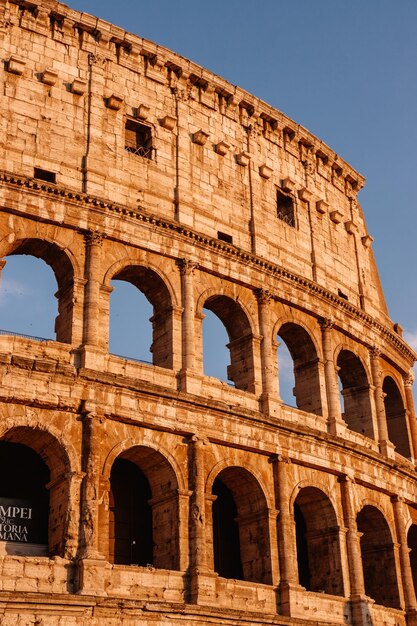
133 493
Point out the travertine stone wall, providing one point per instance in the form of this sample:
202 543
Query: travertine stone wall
248 510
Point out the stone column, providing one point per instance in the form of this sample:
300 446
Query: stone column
90 488
357 583
93 570
72 522
408 388
197 541
336 424
268 358
385 446
287 549
404 554
188 317
94 242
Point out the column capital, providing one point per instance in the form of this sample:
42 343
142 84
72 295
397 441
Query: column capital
374 352
346 478
263 296
187 266
89 413
399 499
280 458
197 440
94 237
325 323
408 379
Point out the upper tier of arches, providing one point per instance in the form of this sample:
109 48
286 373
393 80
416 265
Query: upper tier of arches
254 323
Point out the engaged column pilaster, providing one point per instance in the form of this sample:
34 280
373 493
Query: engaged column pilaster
336 425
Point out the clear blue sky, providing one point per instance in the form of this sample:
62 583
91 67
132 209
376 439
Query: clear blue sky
344 69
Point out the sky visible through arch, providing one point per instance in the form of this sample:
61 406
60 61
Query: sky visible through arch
344 70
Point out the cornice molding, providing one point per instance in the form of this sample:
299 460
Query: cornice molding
141 214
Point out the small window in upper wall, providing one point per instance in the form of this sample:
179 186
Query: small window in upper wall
285 208
138 139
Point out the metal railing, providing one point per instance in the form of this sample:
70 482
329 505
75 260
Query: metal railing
288 219
130 358
146 153
13 334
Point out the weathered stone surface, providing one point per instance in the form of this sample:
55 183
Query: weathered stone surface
122 160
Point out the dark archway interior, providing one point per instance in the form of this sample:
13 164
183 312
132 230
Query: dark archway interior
240 527
302 549
144 511
23 479
412 545
378 559
226 542
317 539
130 515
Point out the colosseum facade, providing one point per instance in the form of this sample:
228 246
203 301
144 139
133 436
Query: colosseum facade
136 493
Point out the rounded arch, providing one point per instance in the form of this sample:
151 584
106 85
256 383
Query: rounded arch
51 487
355 389
158 291
63 264
371 500
317 540
297 321
241 544
127 444
305 361
396 416
28 241
239 328
226 292
120 266
225 464
58 455
317 486
144 509
60 259
378 559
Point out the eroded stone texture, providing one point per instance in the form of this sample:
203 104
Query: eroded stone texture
171 497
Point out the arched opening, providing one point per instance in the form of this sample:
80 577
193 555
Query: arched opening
130 326
144 513
303 362
317 539
216 355
24 500
378 559
356 406
129 312
34 493
30 289
396 417
412 546
240 527
241 368
131 538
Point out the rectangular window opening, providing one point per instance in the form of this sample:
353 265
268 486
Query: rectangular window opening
224 237
46 175
285 208
138 139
